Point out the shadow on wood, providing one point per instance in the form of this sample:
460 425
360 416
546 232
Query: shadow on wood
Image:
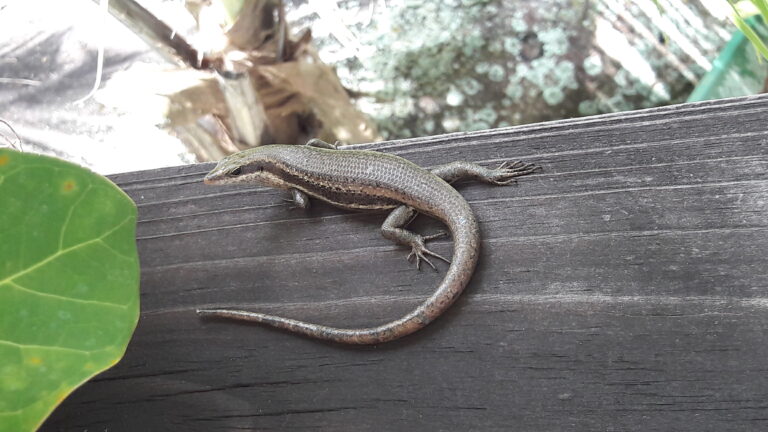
624 288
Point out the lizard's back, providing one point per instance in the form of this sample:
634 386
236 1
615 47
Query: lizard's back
366 180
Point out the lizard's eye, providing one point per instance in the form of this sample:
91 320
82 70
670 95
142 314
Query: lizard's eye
236 172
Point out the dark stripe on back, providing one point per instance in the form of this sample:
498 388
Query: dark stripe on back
336 194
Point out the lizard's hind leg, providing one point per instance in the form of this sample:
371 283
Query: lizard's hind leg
392 229
503 175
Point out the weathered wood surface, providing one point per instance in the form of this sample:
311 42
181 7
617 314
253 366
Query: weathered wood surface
624 288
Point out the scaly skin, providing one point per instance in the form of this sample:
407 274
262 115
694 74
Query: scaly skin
366 180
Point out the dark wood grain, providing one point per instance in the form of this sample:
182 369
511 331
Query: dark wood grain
624 288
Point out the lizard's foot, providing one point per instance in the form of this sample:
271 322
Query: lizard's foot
292 205
299 200
419 251
507 171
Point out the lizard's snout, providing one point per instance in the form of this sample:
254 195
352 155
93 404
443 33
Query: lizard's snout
212 178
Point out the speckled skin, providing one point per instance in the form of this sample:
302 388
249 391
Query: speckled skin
366 180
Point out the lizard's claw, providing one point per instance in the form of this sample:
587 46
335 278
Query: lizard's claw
507 171
291 204
420 252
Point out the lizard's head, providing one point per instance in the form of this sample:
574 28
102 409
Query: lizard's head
252 166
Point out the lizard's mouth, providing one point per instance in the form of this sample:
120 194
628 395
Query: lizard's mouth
212 179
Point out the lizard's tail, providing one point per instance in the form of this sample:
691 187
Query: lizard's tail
466 240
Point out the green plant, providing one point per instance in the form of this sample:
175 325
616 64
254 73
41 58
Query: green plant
69 276
742 11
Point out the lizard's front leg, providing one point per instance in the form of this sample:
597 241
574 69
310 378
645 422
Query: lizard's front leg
316 142
392 229
299 199
503 175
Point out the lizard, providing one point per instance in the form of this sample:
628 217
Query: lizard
370 180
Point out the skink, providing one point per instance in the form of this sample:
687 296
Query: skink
367 180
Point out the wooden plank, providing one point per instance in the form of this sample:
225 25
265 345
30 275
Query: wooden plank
624 288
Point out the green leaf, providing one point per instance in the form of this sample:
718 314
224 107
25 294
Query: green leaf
762 7
69 278
760 48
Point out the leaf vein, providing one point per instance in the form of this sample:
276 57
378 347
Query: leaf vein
53 348
69 215
61 297
121 255
61 252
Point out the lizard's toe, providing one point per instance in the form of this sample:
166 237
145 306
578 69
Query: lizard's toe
420 252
